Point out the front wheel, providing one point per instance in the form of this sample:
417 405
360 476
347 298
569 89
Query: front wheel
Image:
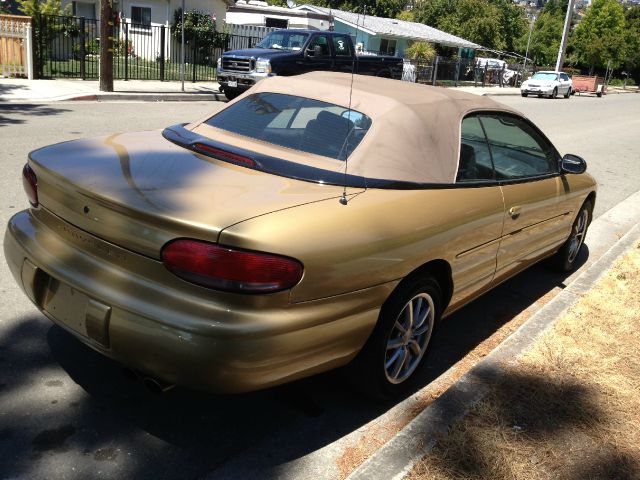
565 258
395 351
554 94
524 94
568 94
231 93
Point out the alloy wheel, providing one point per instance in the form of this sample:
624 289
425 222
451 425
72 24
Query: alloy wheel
578 234
409 338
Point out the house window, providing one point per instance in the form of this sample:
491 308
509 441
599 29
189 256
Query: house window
387 46
141 17
84 9
276 22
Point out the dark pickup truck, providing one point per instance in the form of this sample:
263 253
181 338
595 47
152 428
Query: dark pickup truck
292 52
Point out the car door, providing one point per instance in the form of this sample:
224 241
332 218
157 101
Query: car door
344 54
527 168
479 197
565 83
318 54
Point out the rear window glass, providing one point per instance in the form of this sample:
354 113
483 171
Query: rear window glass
295 122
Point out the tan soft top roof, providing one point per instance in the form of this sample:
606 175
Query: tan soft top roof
415 130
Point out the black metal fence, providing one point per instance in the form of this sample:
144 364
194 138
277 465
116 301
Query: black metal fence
69 47
447 71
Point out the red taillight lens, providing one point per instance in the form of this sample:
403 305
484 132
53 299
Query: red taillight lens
228 269
30 184
224 155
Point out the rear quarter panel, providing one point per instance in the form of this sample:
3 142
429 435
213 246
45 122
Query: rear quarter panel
381 236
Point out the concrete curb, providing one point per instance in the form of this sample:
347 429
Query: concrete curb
150 97
398 456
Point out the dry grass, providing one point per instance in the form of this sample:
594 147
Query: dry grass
569 408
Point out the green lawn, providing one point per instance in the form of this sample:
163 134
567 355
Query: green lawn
139 69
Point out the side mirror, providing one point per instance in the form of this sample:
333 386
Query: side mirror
573 164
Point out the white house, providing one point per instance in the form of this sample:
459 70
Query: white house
259 14
143 15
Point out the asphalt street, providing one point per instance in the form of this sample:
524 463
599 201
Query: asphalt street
67 412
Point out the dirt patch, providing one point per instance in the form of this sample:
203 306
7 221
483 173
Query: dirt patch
569 408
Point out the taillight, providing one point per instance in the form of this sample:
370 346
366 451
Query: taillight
232 270
30 184
224 155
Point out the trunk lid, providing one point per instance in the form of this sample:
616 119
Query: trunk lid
138 190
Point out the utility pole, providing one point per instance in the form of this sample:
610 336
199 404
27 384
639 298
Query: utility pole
565 35
106 45
526 54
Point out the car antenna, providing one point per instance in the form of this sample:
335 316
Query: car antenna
343 199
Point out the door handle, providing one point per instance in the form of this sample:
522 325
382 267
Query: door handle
514 212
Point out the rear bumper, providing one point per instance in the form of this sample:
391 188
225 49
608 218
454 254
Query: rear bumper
130 308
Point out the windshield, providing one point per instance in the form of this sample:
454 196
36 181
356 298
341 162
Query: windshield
294 122
283 41
545 76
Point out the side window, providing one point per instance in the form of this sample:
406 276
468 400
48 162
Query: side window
518 150
342 46
475 158
563 77
322 42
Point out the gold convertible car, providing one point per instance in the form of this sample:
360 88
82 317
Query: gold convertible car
313 222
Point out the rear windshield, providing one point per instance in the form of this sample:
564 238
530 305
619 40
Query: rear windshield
295 122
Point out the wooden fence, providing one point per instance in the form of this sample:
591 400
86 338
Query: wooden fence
15 46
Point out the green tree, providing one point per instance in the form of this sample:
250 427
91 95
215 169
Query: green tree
545 38
495 24
376 8
35 8
600 37
420 51
632 58
200 29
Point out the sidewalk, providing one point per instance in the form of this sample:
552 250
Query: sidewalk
21 90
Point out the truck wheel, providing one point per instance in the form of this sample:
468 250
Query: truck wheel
231 93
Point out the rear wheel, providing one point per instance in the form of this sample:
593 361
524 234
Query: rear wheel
389 360
565 258
524 94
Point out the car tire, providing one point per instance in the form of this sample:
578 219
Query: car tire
386 366
554 94
231 93
565 259
524 94
539 95
568 94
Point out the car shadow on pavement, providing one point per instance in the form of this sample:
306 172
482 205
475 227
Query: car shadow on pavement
18 113
116 423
